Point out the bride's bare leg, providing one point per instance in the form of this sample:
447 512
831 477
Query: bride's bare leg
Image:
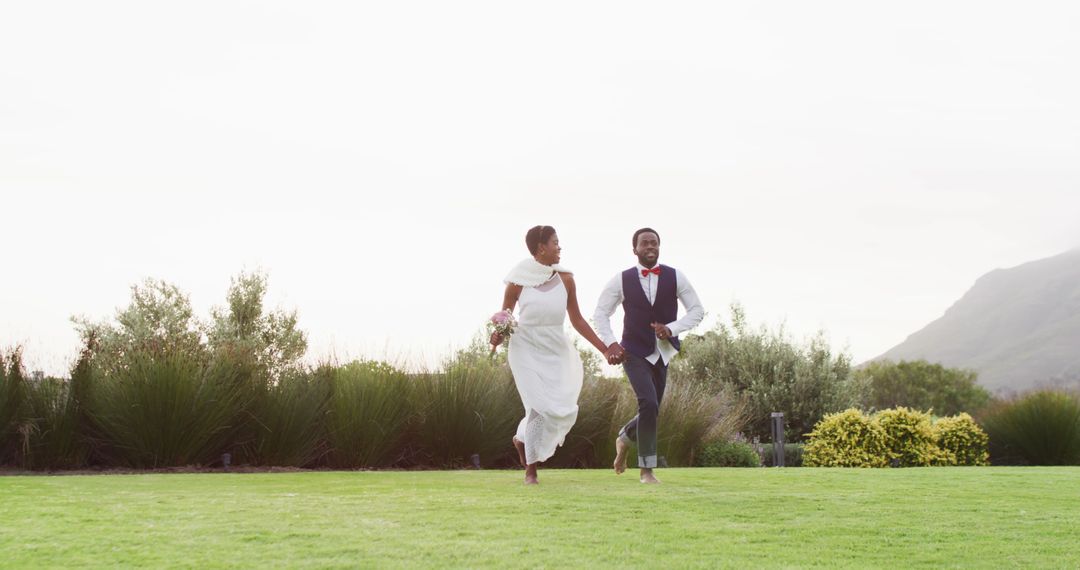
520 447
530 474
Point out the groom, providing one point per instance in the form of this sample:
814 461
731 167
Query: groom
649 294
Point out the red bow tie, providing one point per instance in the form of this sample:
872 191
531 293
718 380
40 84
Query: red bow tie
654 271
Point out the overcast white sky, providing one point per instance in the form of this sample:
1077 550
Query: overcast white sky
836 165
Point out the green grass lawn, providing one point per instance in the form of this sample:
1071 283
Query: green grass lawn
990 517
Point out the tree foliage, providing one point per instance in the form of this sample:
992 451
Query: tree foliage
158 318
922 386
270 337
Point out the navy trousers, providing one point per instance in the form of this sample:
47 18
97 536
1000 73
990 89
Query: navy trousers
648 381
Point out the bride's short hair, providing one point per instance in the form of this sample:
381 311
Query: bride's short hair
536 236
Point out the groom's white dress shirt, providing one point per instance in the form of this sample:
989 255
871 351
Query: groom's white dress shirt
612 297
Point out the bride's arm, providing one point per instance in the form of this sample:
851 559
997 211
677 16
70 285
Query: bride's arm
574 312
510 299
511 296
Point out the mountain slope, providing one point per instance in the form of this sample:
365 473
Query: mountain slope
1016 327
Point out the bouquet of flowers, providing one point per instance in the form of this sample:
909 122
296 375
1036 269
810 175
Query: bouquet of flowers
502 323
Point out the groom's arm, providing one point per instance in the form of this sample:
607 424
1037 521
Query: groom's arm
695 312
610 298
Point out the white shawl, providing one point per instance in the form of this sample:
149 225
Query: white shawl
530 273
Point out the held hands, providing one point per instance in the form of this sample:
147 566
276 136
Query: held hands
615 354
496 340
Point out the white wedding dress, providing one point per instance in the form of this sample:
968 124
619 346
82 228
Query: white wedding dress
546 367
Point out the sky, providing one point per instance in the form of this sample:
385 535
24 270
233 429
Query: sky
848 167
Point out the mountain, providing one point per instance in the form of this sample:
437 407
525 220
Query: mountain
1017 327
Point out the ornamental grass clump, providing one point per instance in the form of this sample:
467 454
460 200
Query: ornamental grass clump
12 384
1040 428
961 441
51 427
470 409
46 417
165 407
289 419
690 415
368 415
846 439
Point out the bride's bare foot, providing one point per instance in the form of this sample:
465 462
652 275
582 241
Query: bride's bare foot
648 477
530 475
621 450
520 447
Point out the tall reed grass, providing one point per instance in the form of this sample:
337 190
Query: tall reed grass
163 408
160 406
53 440
287 419
1040 428
601 407
12 397
466 411
368 415
692 414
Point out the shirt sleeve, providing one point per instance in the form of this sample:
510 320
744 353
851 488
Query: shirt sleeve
689 299
610 298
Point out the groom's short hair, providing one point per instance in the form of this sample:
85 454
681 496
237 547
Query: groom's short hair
644 231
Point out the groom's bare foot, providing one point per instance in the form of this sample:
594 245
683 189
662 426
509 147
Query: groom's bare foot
648 477
520 447
621 450
530 475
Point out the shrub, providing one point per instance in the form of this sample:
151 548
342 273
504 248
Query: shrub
901 437
921 386
793 454
728 454
846 439
909 438
1040 428
166 407
961 440
775 373
368 415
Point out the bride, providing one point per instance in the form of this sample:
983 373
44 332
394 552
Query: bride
545 364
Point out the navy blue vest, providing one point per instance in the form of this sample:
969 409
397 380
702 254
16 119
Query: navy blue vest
638 335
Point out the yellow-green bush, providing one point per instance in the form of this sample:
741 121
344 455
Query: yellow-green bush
900 437
962 441
846 439
909 437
